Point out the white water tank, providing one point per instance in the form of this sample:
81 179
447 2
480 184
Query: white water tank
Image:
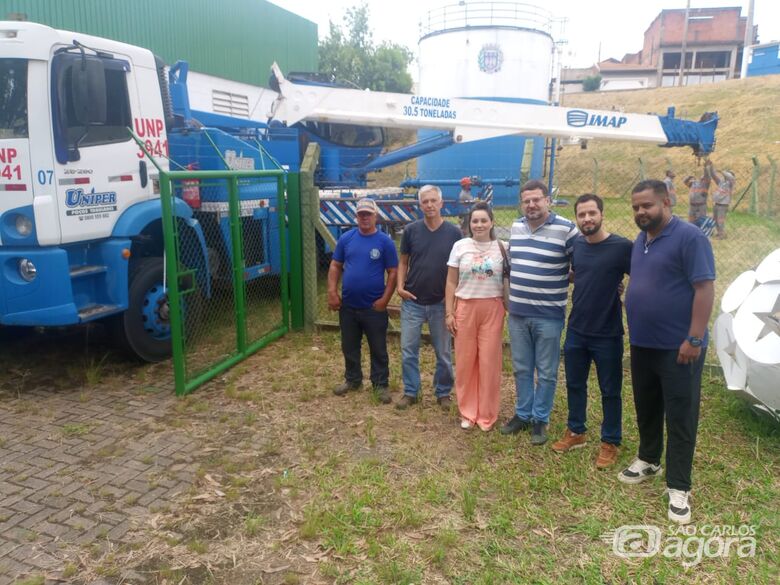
489 50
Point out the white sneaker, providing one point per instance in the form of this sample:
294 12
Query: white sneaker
639 471
466 424
679 507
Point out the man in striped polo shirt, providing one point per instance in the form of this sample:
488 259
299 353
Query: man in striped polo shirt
540 248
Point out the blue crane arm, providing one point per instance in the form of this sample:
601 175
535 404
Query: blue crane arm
698 135
430 144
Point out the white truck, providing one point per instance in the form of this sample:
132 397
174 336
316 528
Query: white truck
80 230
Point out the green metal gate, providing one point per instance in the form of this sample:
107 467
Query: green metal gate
228 267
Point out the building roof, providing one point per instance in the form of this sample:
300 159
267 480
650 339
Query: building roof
612 65
577 74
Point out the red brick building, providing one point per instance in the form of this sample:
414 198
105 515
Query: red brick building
713 52
713 47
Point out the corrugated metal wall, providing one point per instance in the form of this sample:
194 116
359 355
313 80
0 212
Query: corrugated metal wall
234 39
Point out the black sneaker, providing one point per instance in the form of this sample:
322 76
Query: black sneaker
539 433
514 426
346 387
679 506
383 394
639 471
406 402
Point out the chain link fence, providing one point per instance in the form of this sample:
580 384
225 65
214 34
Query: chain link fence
227 269
752 227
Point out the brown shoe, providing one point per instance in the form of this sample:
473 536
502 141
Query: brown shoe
444 403
608 454
346 387
405 402
570 441
382 394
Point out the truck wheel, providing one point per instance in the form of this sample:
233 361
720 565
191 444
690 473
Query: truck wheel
144 330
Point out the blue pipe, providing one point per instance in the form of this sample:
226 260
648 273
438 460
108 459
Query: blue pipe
436 142
553 144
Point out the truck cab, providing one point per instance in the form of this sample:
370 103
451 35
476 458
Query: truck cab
75 185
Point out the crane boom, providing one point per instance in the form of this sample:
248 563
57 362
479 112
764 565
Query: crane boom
471 119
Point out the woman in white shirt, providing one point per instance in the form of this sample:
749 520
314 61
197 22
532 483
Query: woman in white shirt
474 302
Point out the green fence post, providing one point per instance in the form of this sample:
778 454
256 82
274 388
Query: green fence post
595 176
284 235
296 250
310 216
770 198
641 169
172 275
756 174
236 241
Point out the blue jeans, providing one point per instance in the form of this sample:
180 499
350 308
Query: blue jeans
607 353
413 315
536 347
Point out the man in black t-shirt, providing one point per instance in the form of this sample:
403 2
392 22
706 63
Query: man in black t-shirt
595 331
422 275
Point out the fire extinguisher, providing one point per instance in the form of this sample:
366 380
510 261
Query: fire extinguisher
190 189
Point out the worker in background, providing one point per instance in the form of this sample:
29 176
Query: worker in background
698 190
363 255
721 197
465 197
669 182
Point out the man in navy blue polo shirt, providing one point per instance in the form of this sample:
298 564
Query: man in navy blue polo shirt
363 255
595 334
668 304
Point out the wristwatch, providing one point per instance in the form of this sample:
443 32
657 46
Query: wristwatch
694 341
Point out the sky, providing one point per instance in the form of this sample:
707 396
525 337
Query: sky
605 28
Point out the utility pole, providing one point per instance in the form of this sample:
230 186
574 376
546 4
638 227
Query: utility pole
746 51
684 43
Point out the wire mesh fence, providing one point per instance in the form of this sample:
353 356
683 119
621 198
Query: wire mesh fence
751 226
227 268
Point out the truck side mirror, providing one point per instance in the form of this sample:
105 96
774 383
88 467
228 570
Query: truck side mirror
88 90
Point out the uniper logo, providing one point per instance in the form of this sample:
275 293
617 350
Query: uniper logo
581 118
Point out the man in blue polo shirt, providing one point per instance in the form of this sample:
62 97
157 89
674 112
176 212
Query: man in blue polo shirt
539 247
595 334
668 304
363 255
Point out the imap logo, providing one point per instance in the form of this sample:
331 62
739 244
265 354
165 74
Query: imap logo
581 118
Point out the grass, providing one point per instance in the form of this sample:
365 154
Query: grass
344 490
407 497
33 580
75 429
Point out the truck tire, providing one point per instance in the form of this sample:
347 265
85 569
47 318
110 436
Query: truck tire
143 330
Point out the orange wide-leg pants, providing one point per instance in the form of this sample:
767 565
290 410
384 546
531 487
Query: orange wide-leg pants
478 359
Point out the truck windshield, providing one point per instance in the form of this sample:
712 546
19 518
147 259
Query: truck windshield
13 98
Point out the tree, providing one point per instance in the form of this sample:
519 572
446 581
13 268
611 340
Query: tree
591 83
348 55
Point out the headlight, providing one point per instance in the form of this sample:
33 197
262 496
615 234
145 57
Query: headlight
27 269
24 225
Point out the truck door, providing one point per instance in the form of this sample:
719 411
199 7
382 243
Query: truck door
16 190
97 168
